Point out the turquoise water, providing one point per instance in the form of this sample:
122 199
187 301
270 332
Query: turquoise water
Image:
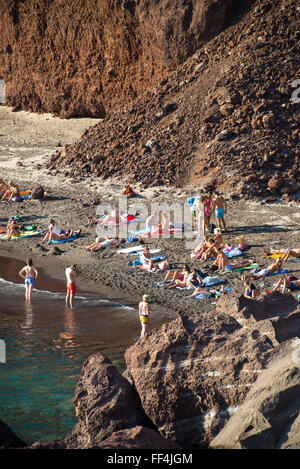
47 345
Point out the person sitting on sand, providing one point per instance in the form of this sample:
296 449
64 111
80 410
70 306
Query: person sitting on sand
12 192
57 234
198 251
103 243
214 244
271 269
286 253
113 216
222 262
13 228
71 273
287 283
194 279
147 260
152 222
251 291
165 222
3 187
29 274
178 279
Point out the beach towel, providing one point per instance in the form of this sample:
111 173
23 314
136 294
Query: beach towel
233 253
125 221
275 256
138 262
152 251
129 250
54 241
24 234
283 271
201 296
24 194
158 232
251 266
209 281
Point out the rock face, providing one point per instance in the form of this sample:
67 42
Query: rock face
270 416
137 438
104 402
8 439
80 58
193 373
278 315
223 119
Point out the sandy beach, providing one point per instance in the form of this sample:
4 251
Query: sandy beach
27 139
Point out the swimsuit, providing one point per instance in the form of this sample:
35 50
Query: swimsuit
219 212
229 267
29 280
71 288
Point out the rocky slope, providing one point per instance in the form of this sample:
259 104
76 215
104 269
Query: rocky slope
223 119
81 58
187 381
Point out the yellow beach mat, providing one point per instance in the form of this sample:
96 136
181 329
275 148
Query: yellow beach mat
276 256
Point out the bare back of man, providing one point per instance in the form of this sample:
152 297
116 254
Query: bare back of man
220 210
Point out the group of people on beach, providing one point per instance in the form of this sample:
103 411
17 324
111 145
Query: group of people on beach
211 247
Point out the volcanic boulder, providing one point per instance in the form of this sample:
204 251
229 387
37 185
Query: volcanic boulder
8 439
137 438
194 372
104 402
270 416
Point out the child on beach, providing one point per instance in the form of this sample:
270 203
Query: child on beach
29 274
71 273
144 314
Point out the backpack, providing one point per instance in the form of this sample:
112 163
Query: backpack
211 228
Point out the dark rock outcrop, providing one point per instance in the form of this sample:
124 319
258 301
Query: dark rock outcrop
137 438
104 401
8 439
270 416
193 373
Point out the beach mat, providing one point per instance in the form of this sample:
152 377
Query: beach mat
251 266
24 234
68 240
24 193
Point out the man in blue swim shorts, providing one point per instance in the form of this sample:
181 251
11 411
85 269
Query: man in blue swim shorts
29 274
220 210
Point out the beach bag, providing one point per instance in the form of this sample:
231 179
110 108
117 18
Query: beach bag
211 228
37 193
131 239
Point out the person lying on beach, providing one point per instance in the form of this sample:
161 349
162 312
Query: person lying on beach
103 243
271 269
178 279
13 191
286 253
13 228
222 262
251 291
287 283
113 216
57 234
29 274
200 291
194 279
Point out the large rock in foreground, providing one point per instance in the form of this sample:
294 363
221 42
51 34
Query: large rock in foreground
104 402
193 373
8 439
270 416
137 438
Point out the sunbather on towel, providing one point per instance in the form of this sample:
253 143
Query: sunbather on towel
200 249
178 279
222 262
103 243
200 291
194 279
251 291
287 283
271 269
286 253
113 216
3 187
57 234
13 228
12 191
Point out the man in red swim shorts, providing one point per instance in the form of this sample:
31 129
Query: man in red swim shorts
71 274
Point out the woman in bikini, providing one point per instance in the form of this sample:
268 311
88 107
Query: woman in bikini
12 192
103 243
178 279
144 314
13 228
29 274
57 234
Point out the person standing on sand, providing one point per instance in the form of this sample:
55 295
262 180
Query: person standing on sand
144 313
220 210
29 274
208 207
71 273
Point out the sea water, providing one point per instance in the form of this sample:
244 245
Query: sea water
46 346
